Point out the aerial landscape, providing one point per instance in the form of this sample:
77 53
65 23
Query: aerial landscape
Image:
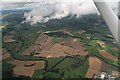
68 47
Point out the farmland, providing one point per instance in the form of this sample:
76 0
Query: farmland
94 67
64 48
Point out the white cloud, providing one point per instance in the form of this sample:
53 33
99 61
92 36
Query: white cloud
48 11
44 10
58 10
9 5
57 0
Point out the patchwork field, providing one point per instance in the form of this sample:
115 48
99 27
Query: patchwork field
46 47
60 48
36 65
27 68
8 39
105 67
108 55
31 49
41 39
115 73
5 53
23 71
94 67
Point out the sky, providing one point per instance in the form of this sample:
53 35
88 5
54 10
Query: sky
55 0
44 10
11 4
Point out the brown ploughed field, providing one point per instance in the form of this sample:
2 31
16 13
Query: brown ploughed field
108 55
8 39
94 67
23 71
